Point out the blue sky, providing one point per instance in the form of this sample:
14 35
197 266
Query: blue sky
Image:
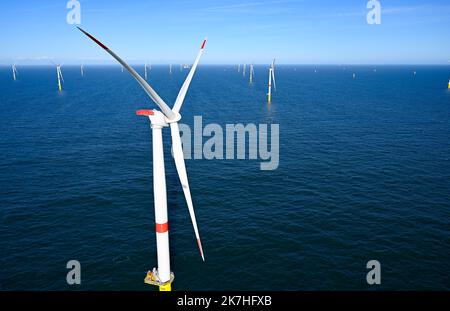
293 31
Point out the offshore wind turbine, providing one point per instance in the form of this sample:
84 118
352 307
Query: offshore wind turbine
271 77
60 77
82 70
162 276
14 72
448 86
170 68
243 70
251 73
145 71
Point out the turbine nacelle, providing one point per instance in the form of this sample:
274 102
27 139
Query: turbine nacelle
157 118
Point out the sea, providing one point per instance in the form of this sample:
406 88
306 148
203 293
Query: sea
363 174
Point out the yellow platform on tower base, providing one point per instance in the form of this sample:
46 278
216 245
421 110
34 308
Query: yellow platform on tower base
166 287
152 279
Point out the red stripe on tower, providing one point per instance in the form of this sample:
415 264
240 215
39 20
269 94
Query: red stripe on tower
203 45
162 228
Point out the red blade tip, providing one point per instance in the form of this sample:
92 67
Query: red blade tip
93 39
200 248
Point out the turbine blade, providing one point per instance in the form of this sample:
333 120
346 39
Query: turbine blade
273 75
184 88
60 73
274 83
181 169
147 88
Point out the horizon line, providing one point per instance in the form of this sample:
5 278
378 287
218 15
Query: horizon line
224 64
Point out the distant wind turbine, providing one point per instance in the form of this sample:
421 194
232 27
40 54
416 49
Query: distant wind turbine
271 77
59 76
145 71
14 71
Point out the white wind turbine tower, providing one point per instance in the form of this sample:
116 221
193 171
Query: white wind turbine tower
243 70
82 70
251 73
14 72
162 276
271 77
170 68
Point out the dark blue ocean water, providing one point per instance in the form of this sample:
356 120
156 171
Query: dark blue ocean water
364 174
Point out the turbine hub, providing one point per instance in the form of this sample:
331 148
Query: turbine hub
157 118
176 118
